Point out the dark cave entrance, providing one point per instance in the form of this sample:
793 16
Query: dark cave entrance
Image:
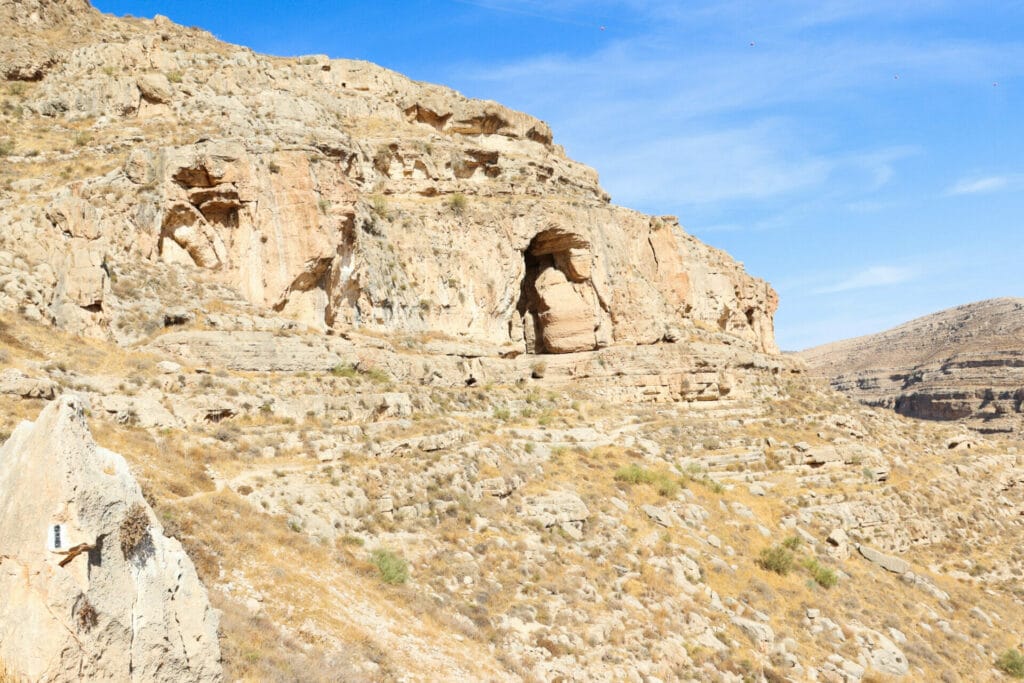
552 249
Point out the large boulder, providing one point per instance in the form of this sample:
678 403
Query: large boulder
92 589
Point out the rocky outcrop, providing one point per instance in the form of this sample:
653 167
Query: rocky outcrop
344 195
91 587
965 363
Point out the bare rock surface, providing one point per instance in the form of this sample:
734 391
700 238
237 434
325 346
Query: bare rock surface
964 363
421 404
334 192
91 587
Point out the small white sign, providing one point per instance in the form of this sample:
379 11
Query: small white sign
57 538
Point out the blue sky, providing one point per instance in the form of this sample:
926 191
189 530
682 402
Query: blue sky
866 158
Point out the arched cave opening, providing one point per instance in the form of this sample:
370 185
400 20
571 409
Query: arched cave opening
530 304
556 299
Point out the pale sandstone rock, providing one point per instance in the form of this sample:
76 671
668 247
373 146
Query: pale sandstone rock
324 192
562 508
964 363
887 562
153 620
15 382
155 88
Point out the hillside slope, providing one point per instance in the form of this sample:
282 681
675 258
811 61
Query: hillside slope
420 404
964 363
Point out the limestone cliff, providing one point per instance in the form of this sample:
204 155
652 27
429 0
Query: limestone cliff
92 589
333 191
964 363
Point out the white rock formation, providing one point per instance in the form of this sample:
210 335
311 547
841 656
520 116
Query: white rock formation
75 605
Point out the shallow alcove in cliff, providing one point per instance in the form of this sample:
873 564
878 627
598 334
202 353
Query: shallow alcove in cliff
557 302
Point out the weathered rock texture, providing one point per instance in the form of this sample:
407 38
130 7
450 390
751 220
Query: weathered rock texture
965 363
335 192
87 608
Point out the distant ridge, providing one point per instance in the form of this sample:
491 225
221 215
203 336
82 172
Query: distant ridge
963 363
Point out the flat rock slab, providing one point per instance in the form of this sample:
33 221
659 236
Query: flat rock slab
887 562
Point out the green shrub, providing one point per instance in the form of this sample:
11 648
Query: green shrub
824 576
776 559
6 147
792 542
393 569
634 474
175 77
376 375
1011 663
665 484
457 203
345 370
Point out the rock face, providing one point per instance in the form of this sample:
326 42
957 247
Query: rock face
92 589
965 363
339 194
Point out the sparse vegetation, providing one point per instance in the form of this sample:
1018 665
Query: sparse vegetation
379 206
393 569
824 576
666 485
175 76
519 510
457 203
87 617
134 529
777 558
1011 663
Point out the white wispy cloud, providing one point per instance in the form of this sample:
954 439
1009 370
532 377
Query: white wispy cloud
669 126
979 185
873 276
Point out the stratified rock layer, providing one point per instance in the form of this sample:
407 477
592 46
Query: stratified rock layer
76 604
965 363
337 193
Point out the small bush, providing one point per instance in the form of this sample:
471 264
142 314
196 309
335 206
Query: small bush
393 569
457 203
175 76
6 147
1011 663
379 205
667 487
343 370
792 542
376 375
87 616
776 559
824 576
634 474
538 369
665 484
134 528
